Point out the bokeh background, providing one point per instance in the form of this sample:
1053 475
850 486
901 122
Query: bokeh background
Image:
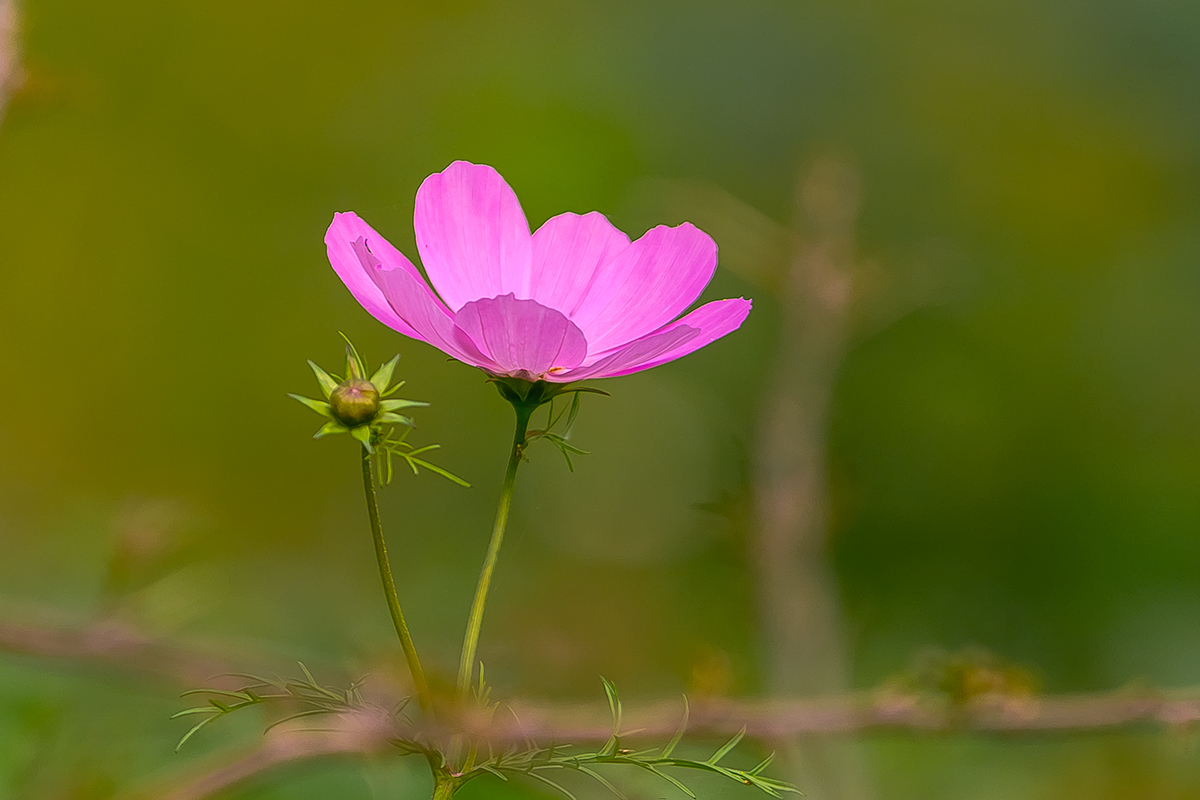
965 412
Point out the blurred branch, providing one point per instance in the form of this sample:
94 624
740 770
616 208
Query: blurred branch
111 644
798 599
801 618
10 64
361 733
872 711
350 734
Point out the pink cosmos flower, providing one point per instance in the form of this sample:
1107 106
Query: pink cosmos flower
574 300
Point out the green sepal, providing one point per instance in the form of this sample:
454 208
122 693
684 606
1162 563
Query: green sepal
331 427
398 419
397 404
355 368
519 391
327 383
318 406
363 434
573 413
383 375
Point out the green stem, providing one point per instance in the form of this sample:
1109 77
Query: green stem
444 788
466 666
389 588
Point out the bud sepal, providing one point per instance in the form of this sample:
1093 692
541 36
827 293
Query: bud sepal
362 407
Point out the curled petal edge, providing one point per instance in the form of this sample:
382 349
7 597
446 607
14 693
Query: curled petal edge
344 242
686 335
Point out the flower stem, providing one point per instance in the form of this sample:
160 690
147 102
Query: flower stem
443 788
389 587
466 666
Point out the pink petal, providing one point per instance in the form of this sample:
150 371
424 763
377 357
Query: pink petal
646 285
522 337
472 235
699 328
345 241
568 251
430 321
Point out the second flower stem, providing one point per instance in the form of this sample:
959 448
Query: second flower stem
424 698
466 666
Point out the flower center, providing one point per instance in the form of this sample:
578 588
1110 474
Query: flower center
522 337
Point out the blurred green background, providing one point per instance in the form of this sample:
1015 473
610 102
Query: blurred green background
1012 432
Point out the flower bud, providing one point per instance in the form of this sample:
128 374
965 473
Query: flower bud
354 402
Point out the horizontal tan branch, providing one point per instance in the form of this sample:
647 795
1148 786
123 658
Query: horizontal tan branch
364 733
368 731
349 734
118 646
113 645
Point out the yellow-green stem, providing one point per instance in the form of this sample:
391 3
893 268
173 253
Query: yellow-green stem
466 666
444 786
389 588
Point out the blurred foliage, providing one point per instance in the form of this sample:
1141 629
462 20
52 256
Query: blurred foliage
1015 440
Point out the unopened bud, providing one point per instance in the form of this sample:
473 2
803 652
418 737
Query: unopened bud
354 402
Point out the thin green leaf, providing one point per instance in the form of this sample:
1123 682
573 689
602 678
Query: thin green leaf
196 710
327 383
193 731
438 471
204 691
239 695
529 743
255 680
668 778
725 748
766 762
313 681
600 779
396 419
565 445
383 375
614 704
683 723
397 404
498 773
310 713
562 790
319 406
